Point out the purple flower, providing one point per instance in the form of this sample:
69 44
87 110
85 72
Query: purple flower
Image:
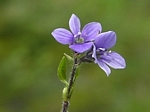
79 41
103 57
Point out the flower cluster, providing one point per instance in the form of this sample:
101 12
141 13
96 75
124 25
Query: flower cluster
93 41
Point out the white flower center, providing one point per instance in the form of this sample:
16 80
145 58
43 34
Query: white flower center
78 38
102 51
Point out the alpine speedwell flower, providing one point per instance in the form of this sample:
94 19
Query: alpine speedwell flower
79 41
103 42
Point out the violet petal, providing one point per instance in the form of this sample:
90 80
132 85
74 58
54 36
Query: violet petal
63 36
114 60
90 31
74 24
105 40
104 67
80 48
94 54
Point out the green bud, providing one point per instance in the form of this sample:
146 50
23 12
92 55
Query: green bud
65 92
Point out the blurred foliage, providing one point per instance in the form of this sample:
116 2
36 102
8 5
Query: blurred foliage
29 56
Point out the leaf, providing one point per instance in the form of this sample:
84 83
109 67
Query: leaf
70 59
62 70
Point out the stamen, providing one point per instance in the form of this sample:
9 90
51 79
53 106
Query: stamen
77 35
78 38
102 49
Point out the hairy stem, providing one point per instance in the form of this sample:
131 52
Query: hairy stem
70 86
65 106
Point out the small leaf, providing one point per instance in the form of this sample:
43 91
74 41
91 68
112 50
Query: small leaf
70 59
62 70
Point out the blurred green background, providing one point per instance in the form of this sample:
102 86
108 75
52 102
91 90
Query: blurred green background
29 56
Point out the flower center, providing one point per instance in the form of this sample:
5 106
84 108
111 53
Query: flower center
78 38
101 51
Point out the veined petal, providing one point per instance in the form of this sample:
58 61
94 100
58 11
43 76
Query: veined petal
94 54
105 40
114 60
104 67
63 36
90 30
80 48
74 24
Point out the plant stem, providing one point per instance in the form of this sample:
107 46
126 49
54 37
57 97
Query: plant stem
70 86
65 106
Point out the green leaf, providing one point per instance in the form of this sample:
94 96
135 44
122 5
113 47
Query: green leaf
70 59
62 70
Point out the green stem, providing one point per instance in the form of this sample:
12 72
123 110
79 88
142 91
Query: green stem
70 86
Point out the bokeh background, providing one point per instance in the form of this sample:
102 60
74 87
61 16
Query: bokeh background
29 56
